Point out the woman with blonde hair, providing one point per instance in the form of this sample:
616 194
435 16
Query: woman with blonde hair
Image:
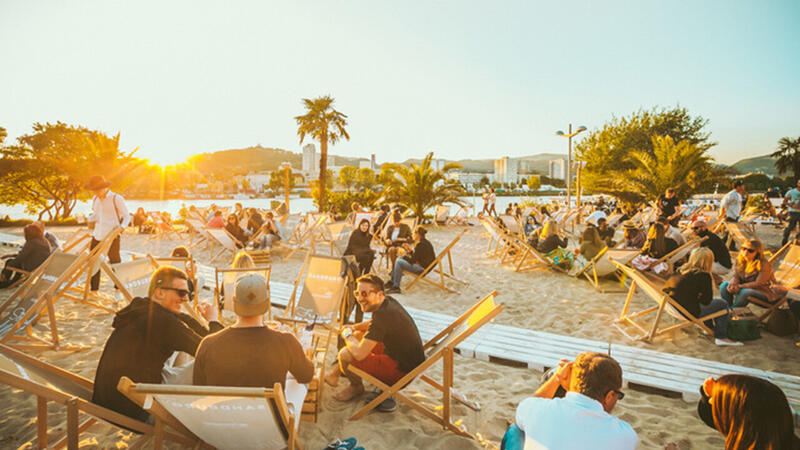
693 289
242 261
753 277
750 412
549 238
658 245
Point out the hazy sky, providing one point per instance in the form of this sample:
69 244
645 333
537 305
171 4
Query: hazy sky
466 79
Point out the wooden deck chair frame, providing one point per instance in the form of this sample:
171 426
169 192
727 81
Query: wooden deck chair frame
589 271
197 232
498 237
144 395
441 215
129 286
224 240
94 265
664 303
162 227
789 278
79 242
305 239
223 272
526 257
740 233
45 303
437 265
440 347
23 379
461 217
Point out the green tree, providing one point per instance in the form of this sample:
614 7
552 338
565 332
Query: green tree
315 191
484 181
419 188
534 183
47 170
366 179
347 176
277 180
617 149
324 124
788 156
3 134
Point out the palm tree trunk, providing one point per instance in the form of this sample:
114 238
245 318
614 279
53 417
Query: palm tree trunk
323 170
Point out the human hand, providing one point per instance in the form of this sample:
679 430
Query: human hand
564 373
733 288
209 312
708 386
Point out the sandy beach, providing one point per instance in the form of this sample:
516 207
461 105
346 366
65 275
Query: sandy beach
539 300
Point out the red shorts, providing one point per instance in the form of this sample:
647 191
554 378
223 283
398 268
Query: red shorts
380 366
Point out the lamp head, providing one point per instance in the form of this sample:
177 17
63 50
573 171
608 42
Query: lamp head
559 133
581 128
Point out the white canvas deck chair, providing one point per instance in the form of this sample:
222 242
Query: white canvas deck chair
52 384
163 227
36 295
513 226
440 347
436 267
441 215
498 242
602 265
461 217
223 417
320 304
740 233
132 278
302 240
223 242
197 232
226 278
337 236
665 303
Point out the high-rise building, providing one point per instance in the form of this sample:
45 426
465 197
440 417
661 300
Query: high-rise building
506 170
372 164
310 168
557 169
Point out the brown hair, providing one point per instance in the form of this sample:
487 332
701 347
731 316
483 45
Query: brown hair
655 245
595 374
180 252
163 276
372 279
752 414
242 261
32 231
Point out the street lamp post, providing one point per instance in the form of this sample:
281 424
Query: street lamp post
288 167
569 136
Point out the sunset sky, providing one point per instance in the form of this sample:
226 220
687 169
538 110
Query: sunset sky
463 79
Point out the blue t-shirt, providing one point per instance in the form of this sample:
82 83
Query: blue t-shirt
793 198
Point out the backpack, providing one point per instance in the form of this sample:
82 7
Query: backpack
782 322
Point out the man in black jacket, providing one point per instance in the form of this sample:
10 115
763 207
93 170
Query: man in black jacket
146 333
397 235
415 261
722 257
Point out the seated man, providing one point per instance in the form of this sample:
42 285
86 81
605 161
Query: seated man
271 233
396 235
722 257
249 354
146 333
582 419
606 232
635 237
387 347
414 261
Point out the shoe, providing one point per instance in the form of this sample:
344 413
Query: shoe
387 405
347 444
388 284
393 290
727 342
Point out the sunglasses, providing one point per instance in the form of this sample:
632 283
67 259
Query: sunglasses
748 250
697 228
366 293
181 292
620 395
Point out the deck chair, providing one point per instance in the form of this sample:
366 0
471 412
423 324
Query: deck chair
223 417
438 264
132 278
602 265
320 303
79 242
38 293
523 256
512 224
440 347
162 226
303 240
787 274
665 303
226 278
223 242
740 233
336 235
197 232
52 384
441 215
498 242
461 217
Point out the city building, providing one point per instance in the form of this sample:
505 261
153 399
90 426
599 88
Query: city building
365 165
506 170
557 169
372 164
310 161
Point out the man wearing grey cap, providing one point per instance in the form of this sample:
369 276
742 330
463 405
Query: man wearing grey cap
250 354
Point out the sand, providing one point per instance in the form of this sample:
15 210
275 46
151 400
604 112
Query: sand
538 300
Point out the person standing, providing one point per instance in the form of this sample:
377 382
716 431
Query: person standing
669 207
792 202
731 207
492 201
108 213
485 197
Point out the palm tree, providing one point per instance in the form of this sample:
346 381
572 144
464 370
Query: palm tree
419 188
788 156
324 124
683 166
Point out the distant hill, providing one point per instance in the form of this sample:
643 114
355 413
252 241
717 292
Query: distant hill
254 159
534 163
765 164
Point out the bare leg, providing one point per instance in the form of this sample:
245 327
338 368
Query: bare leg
356 387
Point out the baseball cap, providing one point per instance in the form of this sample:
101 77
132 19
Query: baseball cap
250 297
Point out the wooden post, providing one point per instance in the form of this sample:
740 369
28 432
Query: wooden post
72 423
288 185
41 422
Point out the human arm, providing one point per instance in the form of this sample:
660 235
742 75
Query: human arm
123 215
763 280
560 378
358 348
301 368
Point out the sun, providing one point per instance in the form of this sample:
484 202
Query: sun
165 159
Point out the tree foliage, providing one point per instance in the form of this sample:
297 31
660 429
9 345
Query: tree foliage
626 151
47 169
534 183
347 177
366 179
277 180
419 187
788 156
324 124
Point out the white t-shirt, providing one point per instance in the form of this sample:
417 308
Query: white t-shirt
492 198
732 202
573 422
106 216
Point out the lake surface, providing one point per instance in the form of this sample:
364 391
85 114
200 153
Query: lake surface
295 205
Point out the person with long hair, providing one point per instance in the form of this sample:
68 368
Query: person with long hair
591 244
752 277
751 413
657 244
693 288
549 237
232 227
33 253
359 246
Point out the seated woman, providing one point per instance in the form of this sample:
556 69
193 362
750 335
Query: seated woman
270 233
359 246
693 289
139 219
33 253
232 227
606 232
531 229
549 238
634 236
216 220
749 412
753 277
415 261
658 245
591 244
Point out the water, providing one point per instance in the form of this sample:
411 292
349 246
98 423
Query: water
295 204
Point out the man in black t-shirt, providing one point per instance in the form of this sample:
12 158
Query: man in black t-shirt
387 347
668 207
722 258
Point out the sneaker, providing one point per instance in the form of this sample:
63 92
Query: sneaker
346 444
393 290
727 342
387 406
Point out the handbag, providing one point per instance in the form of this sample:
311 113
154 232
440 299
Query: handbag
743 325
782 322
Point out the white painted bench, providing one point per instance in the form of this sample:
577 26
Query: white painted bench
10 240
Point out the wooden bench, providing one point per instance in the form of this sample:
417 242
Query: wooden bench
11 240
